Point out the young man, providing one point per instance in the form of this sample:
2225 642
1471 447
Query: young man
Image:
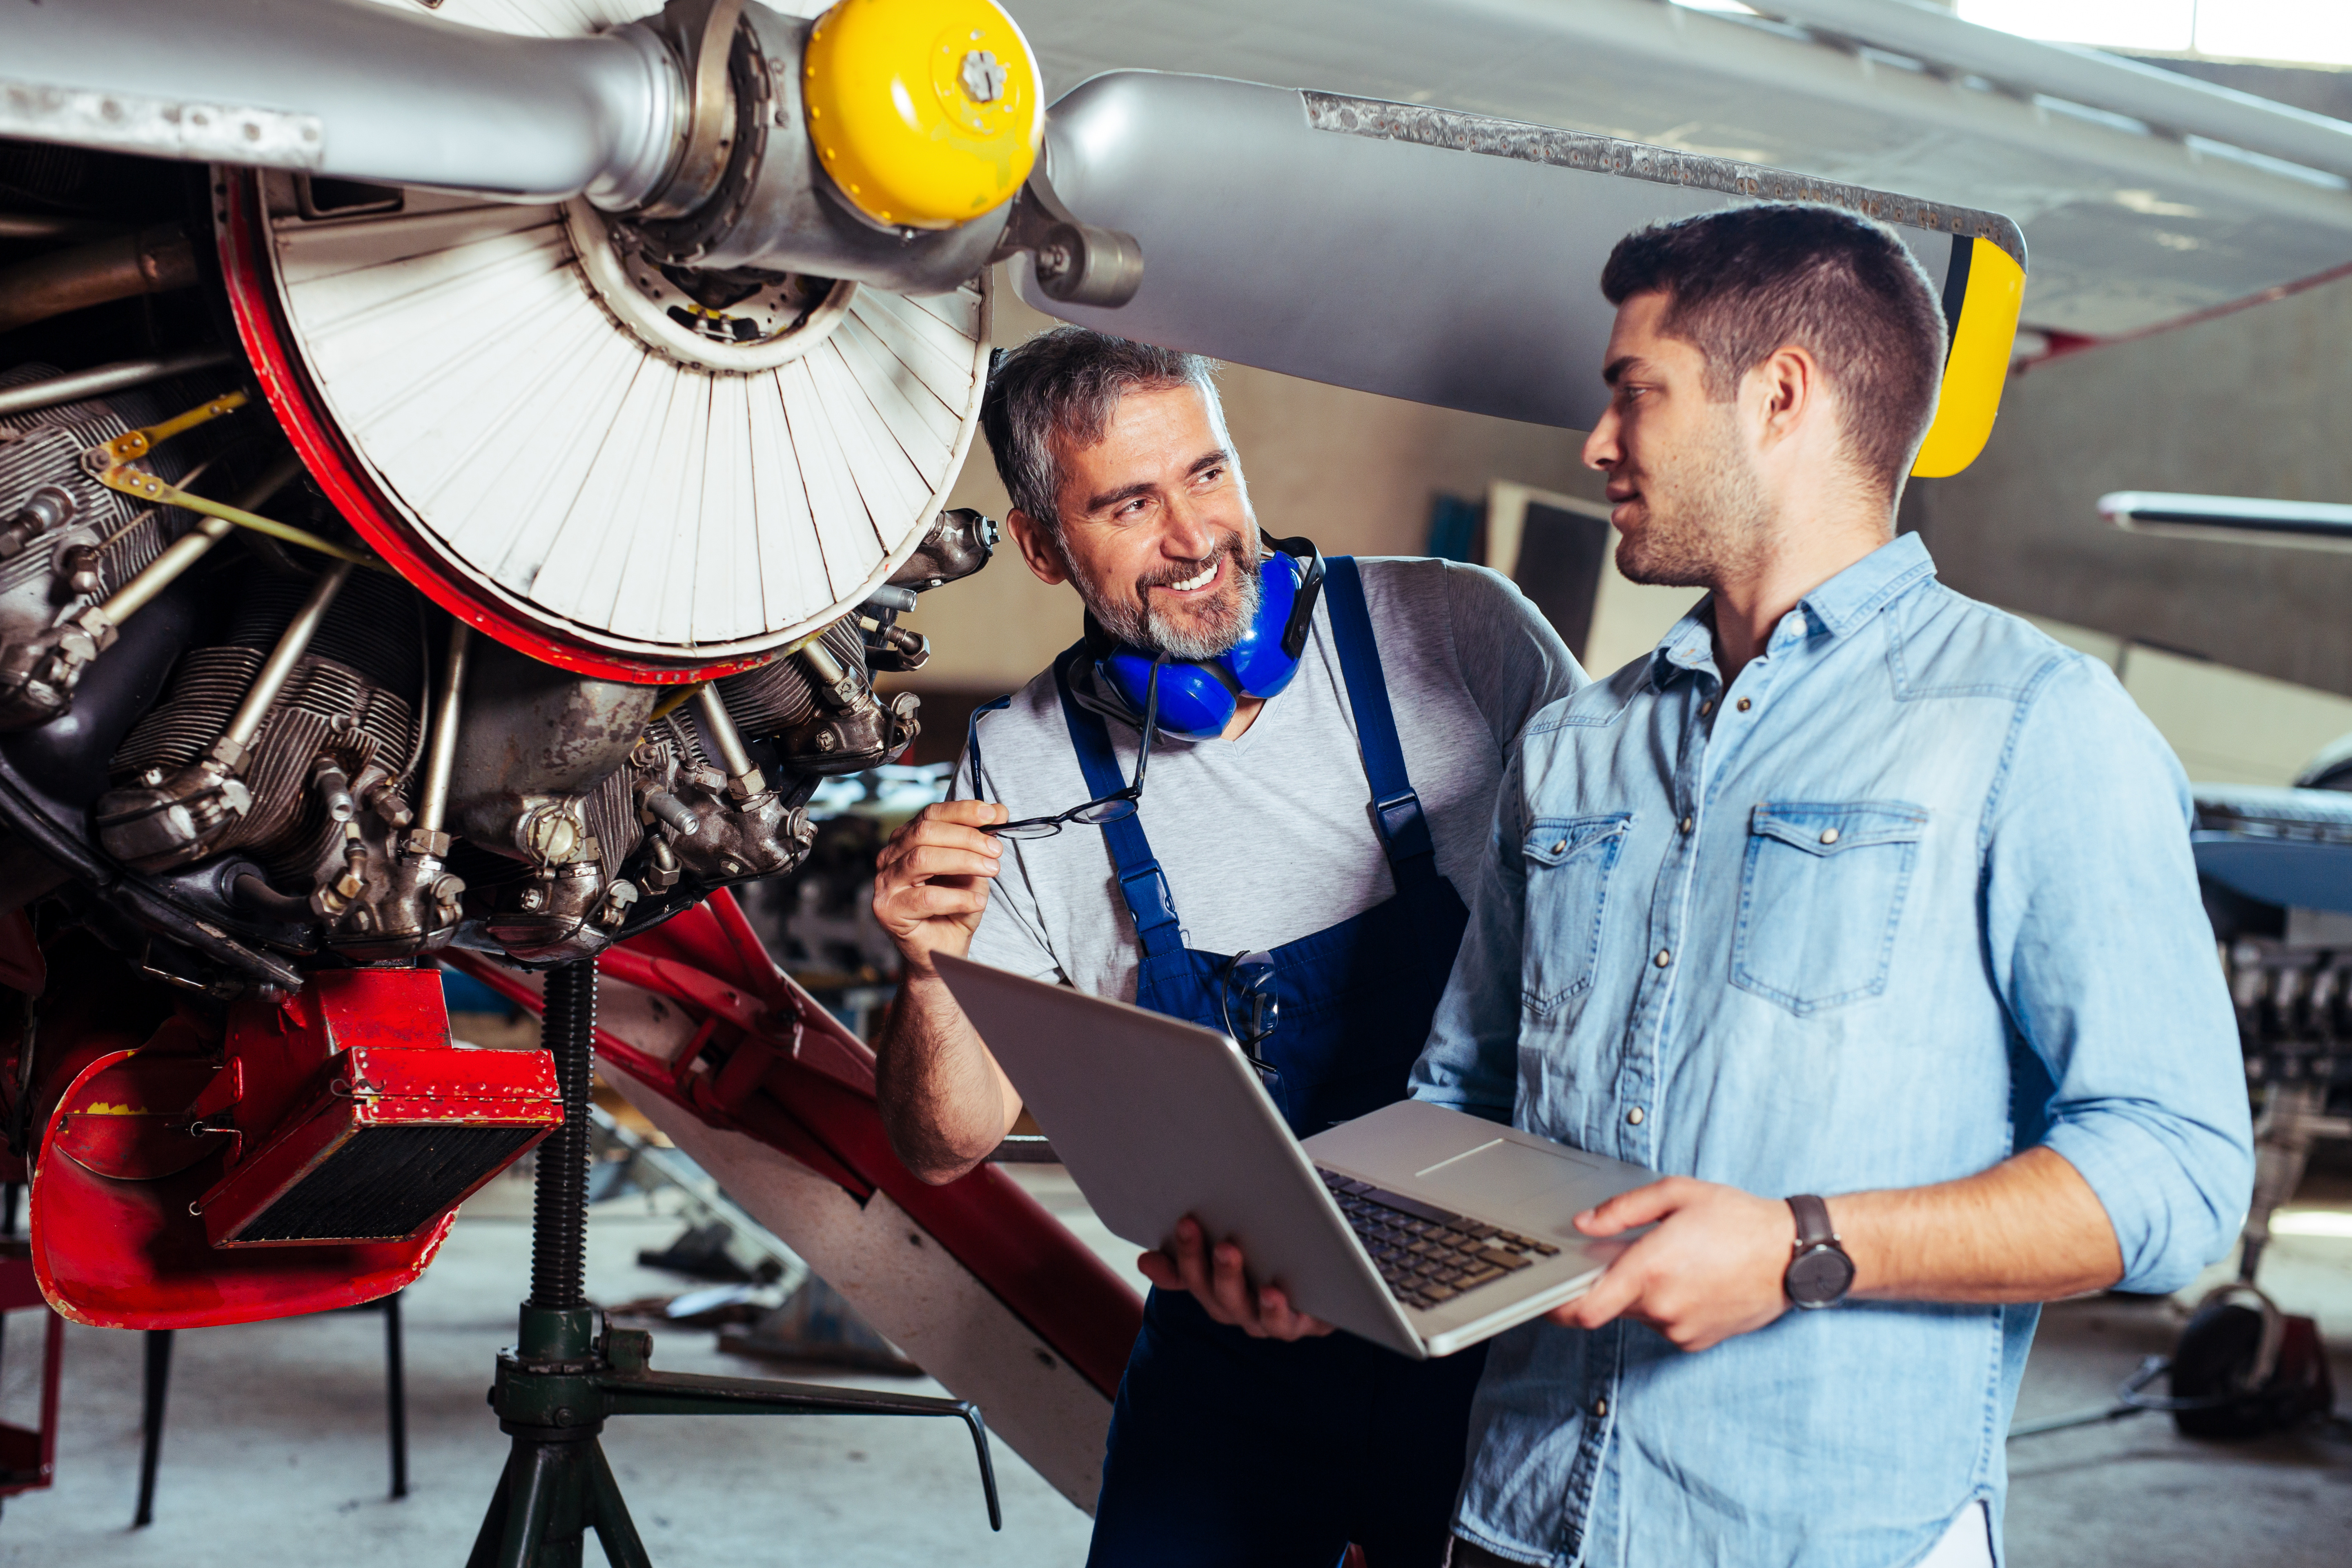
1853 890
1256 867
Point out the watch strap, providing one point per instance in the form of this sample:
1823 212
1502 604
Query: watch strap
1813 1228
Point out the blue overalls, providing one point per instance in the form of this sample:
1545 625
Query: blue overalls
1226 1450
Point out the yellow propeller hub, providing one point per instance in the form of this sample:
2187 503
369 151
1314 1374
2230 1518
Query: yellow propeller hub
926 114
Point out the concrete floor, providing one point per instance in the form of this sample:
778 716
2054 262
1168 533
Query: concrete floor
274 1451
274 1448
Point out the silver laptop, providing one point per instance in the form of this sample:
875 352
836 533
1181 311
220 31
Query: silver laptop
1417 1228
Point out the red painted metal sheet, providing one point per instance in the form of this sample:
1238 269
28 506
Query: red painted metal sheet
125 1076
128 1254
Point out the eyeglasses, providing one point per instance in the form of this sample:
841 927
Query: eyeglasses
1250 1008
1102 811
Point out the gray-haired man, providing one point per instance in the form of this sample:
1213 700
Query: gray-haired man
1243 1434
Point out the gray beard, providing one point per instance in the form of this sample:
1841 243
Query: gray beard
1148 631
1709 525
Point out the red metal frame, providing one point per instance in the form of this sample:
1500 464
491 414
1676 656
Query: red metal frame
362 1048
770 1062
246 265
116 1240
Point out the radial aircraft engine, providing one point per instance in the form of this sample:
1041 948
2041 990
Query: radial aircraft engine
462 463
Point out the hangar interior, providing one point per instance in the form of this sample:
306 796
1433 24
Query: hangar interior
2185 317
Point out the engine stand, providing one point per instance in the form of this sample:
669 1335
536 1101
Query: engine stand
569 1371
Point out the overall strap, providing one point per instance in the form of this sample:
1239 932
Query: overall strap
1140 880
1396 809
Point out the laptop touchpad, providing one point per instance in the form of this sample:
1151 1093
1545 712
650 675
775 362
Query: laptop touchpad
1501 1171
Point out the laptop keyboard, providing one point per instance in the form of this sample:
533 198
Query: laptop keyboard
1427 1256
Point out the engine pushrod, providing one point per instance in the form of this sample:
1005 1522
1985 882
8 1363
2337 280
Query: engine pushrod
99 380
432 802
279 668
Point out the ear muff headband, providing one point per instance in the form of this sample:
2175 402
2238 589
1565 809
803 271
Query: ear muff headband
1197 699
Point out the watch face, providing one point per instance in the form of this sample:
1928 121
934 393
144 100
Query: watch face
1819 1276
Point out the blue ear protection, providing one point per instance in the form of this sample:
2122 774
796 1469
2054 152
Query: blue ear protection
1197 699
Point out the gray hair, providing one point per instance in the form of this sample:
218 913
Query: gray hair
1068 381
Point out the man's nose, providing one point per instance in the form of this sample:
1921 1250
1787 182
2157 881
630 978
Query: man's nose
1193 530
1600 446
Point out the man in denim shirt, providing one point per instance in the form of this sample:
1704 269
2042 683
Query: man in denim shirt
1852 887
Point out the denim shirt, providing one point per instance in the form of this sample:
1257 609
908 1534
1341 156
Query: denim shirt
1912 894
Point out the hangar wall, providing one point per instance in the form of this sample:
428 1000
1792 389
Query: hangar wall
2253 402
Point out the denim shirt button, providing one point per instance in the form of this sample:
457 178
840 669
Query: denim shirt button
1745 705
1663 958
1829 835
1688 822
1600 1407
1635 1116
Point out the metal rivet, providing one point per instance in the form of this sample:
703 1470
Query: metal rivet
1635 1116
1829 835
1745 705
1663 958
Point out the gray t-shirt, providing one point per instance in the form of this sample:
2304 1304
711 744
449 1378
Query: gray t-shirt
1269 837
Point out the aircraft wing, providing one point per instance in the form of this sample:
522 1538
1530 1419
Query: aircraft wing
2131 225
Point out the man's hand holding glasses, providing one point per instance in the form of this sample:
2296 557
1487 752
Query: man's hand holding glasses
930 882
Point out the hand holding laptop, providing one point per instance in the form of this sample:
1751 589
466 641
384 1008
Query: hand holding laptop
1216 1277
1711 1269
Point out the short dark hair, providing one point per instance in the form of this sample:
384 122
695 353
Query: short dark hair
1740 285
1069 381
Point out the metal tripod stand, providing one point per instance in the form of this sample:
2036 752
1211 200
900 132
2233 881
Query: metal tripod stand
568 1371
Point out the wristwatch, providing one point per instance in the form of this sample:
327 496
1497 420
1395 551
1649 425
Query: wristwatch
1820 1273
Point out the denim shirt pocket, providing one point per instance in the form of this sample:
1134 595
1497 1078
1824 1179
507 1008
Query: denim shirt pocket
1819 898
1567 864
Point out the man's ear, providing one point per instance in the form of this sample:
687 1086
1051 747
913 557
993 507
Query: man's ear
1038 547
1786 392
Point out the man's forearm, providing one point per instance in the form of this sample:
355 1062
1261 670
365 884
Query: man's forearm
945 1101
2029 1229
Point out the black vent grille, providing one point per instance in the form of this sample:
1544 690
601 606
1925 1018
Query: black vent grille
382 1183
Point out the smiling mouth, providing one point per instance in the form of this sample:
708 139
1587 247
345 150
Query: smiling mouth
1194 584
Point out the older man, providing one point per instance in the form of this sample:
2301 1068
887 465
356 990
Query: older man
1864 911
1286 874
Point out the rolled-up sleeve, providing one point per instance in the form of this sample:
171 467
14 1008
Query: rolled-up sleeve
1471 1062
2100 948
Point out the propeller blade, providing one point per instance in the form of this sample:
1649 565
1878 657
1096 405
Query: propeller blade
344 88
1420 253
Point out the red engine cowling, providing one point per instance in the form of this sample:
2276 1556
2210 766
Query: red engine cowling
308 1154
